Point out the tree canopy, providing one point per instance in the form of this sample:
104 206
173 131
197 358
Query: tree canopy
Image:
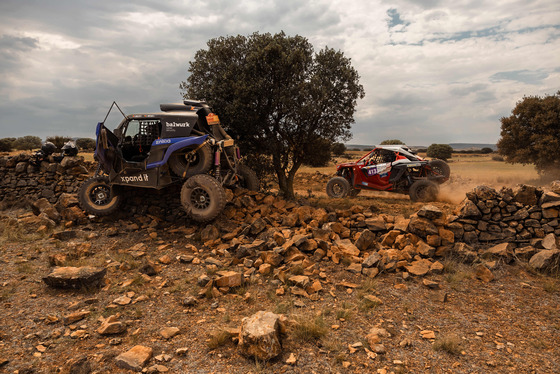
441 151
391 141
531 135
277 96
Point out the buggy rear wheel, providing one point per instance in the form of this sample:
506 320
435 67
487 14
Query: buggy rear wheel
338 187
97 197
423 190
247 178
203 198
198 162
440 169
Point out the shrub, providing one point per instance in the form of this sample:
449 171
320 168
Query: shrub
448 343
86 143
6 144
338 149
27 142
391 141
441 151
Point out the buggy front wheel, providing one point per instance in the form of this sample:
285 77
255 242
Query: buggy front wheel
423 190
97 197
203 198
338 187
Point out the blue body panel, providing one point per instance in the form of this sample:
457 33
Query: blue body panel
175 145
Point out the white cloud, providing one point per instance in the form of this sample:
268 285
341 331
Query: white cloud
433 71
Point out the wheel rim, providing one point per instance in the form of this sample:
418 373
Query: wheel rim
100 195
191 158
337 189
200 198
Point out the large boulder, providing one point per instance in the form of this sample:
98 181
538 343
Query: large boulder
550 242
469 210
502 250
260 336
430 212
485 193
347 248
365 240
555 186
546 260
75 277
376 224
135 358
422 227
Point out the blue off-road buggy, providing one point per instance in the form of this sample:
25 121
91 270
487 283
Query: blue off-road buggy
184 143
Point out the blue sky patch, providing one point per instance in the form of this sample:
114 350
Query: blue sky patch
523 76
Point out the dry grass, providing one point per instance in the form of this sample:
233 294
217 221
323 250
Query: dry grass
448 343
218 338
309 327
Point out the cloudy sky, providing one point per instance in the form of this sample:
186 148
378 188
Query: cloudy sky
434 71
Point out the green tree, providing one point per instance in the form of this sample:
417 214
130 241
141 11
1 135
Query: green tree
321 154
391 141
277 96
338 149
531 135
27 142
441 151
86 143
486 150
7 144
58 140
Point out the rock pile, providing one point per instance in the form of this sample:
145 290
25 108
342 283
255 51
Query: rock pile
269 235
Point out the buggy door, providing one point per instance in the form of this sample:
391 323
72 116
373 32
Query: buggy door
106 151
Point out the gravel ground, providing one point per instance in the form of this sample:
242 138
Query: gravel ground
458 325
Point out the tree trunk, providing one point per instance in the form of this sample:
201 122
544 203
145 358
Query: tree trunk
285 184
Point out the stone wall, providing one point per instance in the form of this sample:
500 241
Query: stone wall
22 182
522 215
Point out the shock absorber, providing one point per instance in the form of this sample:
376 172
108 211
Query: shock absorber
217 155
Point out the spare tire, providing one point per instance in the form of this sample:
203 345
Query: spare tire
195 163
423 190
203 198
